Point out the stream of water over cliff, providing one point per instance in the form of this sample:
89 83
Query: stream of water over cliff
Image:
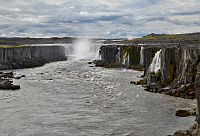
156 62
73 98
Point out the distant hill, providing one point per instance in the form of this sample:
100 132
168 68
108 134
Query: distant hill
191 38
28 40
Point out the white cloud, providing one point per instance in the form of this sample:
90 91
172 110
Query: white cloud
121 18
55 2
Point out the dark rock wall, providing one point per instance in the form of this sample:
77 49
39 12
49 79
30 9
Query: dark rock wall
197 87
109 54
130 55
123 56
179 63
178 66
29 56
177 72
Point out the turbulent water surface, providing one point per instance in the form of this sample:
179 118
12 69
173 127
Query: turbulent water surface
72 98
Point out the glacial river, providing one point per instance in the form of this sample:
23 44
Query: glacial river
73 98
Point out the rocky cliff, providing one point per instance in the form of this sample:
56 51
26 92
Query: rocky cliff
29 56
176 73
167 69
121 56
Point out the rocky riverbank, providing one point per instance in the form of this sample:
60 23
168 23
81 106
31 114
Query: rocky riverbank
193 131
6 82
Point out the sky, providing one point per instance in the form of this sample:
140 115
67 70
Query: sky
98 18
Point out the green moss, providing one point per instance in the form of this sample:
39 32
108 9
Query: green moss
133 53
137 68
190 74
171 72
193 37
141 82
112 65
162 83
9 46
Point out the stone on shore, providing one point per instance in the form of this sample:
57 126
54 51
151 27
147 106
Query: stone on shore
6 83
182 113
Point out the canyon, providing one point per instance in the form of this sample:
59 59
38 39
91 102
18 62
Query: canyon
168 68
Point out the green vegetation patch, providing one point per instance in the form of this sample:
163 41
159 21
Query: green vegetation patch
9 46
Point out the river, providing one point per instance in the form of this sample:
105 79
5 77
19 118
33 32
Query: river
73 98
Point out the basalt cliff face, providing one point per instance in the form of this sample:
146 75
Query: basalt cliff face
167 69
29 56
120 56
176 72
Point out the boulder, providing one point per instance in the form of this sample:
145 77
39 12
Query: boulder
183 113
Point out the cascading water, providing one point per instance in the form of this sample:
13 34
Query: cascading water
156 63
186 57
84 49
118 59
125 59
68 49
128 60
142 56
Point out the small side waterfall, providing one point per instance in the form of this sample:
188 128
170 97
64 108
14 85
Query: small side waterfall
128 60
186 57
68 49
118 59
125 59
142 56
156 63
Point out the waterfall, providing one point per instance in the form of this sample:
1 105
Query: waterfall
125 58
118 59
184 62
156 63
186 57
68 49
84 49
128 60
142 56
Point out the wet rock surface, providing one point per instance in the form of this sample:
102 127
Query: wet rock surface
193 131
115 56
6 82
186 112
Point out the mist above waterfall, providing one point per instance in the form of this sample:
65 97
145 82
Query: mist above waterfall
84 49
156 63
